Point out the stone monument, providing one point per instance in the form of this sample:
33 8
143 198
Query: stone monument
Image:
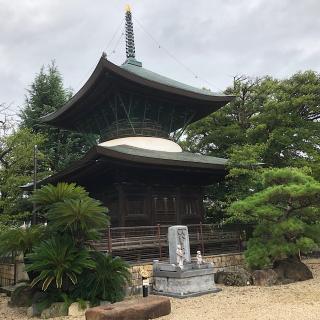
181 277
178 236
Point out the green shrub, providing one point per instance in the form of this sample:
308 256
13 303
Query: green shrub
20 239
62 264
49 194
58 261
81 218
106 281
68 208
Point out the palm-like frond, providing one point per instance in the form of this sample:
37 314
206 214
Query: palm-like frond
82 217
107 280
58 260
20 240
50 194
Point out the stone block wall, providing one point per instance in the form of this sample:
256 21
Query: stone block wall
135 287
227 262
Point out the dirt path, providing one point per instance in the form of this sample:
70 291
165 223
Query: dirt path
299 301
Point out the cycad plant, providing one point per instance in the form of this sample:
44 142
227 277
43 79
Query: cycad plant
69 209
81 218
49 194
59 262
106 281
63 261
20 240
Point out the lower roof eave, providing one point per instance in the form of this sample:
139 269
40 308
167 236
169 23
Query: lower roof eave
127 156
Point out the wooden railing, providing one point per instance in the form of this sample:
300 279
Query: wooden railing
146 243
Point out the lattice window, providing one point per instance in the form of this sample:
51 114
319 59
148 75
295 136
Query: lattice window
191 207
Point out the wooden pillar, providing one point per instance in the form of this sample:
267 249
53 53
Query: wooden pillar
201 198
121 205
150 212
159 240
109 241
178 206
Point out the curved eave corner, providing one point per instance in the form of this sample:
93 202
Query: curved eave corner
74 99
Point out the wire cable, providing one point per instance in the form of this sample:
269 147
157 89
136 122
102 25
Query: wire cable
114 35
196 76
117 43
105 49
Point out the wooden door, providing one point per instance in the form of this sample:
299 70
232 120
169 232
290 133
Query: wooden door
164 209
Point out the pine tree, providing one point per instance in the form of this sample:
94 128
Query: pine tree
286 213
46 95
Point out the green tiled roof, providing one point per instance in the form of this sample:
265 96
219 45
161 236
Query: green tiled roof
181 158
138 155
135 67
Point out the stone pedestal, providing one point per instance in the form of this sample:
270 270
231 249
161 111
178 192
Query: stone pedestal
192 280
181 278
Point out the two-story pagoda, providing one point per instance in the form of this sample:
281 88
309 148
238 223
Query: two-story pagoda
137 169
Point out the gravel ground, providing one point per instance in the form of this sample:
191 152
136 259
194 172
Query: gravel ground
299 300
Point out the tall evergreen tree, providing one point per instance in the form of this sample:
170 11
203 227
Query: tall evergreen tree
226 128
289 122
281 114
275 122
46 95
16 169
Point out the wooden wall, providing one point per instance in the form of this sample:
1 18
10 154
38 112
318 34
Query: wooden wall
138 205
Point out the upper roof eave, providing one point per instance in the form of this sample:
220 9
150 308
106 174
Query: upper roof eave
105 65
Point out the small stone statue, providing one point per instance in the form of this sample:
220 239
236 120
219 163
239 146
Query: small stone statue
180 256
199 258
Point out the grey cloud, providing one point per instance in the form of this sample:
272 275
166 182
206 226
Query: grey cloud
216 39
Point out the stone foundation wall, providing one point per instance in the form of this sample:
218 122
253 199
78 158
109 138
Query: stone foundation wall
227 262
135 287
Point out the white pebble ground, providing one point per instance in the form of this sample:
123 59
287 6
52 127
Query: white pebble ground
297 301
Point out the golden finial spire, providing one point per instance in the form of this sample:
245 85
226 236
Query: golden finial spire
130 49
128 8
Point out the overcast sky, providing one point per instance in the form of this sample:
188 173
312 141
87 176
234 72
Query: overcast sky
215 39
